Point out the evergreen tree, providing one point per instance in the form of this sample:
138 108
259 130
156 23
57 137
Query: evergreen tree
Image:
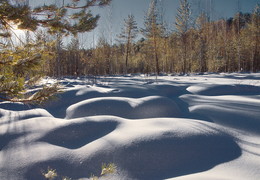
202 39
20 65
128 34
183 19
255 33
73 64
153 31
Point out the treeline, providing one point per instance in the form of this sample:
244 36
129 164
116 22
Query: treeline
198 45
194 45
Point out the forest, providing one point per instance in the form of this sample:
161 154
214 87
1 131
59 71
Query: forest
195 45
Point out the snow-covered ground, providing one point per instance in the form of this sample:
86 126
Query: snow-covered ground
201 127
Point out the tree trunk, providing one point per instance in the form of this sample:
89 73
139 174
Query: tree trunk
156 56
126 57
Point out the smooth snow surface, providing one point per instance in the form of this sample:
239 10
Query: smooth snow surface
199 127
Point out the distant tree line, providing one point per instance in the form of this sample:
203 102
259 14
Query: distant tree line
196 45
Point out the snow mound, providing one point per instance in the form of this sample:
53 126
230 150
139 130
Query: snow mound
147 107
14 106
8 116
215 90
160 148
169 90
231 111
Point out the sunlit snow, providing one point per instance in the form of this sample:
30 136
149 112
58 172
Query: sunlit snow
171 127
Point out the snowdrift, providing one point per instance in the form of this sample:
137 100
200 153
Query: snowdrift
178 127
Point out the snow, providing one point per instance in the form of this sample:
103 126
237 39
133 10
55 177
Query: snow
176 127
131 108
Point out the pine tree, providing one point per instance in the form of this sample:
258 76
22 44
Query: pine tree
73 57
153 31
19 65
202 27
128 34
255 33
183 19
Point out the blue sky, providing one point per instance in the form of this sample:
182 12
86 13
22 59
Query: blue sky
112 18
